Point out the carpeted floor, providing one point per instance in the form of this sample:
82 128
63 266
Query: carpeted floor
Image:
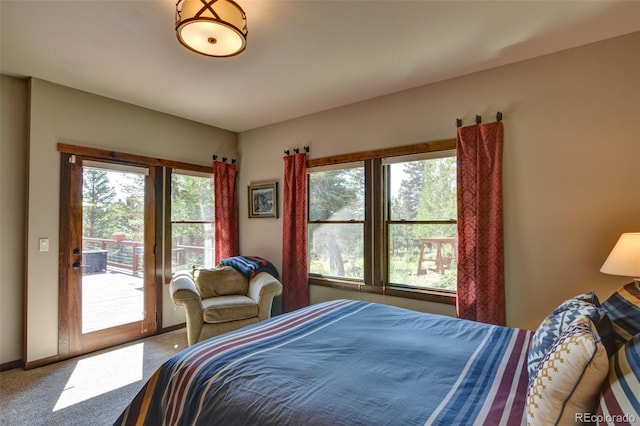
90 390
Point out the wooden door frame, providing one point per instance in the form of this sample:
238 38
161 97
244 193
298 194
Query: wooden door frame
67 150
69 316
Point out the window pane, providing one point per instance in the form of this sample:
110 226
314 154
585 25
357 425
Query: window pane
113 203
191 244
191 197
423 256
337 250
191 201
423 190
337 195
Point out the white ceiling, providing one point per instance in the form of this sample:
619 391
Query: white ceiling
302 56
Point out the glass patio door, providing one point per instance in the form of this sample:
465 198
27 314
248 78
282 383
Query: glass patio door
112 246
110 267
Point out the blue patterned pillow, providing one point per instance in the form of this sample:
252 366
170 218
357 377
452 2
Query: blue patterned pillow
583 305
567 382
620 398
623 308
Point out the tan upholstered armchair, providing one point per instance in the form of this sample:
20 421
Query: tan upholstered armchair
219 300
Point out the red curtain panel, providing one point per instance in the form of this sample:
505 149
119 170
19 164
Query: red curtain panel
226 210
480 294
295 293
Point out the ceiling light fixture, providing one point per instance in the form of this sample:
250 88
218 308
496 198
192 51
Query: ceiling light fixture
211 27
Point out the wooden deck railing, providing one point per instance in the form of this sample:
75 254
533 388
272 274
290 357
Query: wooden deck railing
129 255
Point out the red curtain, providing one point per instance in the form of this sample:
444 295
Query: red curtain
480 294
295 294
226 210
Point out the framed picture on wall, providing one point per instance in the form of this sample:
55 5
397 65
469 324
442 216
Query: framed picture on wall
263 199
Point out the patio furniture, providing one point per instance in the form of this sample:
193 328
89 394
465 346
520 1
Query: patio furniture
441 262
94 261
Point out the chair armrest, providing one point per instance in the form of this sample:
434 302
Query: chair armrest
184 292
263 288
183 289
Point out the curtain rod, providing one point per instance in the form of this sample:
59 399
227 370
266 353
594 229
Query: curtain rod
479 119
296 150
224 159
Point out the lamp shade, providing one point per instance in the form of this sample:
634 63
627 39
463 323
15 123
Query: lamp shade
624 259
211 27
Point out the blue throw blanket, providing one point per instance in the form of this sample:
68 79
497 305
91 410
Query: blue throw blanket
249 266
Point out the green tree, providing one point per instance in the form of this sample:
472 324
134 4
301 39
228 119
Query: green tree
410 190
98 194
337 196
128 212
404 206
192 214
438 199
191 197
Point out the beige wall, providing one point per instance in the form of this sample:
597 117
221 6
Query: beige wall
13 178
571 178
61 114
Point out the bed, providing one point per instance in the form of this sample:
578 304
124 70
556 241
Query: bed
344 363
357 363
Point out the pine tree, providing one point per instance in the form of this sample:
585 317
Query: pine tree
336 195
98 194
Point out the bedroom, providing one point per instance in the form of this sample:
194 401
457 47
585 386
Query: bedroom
571 182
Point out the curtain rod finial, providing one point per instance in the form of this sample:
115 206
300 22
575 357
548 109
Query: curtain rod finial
498 116
458 122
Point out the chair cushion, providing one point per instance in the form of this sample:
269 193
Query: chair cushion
223 281
623 308
228 308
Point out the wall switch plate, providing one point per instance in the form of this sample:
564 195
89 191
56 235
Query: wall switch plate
44 244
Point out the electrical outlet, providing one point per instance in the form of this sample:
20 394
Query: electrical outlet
44 244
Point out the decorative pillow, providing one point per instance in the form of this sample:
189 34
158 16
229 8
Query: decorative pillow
620 398
582 305
567 381
623 308
223 281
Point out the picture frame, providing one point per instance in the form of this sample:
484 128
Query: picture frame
263 200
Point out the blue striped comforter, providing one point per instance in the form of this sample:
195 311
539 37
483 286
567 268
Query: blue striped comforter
343 363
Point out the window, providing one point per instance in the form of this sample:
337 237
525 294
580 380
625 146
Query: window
336 223
386 222
421 222
192 222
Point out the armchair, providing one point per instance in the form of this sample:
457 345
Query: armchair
222 299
